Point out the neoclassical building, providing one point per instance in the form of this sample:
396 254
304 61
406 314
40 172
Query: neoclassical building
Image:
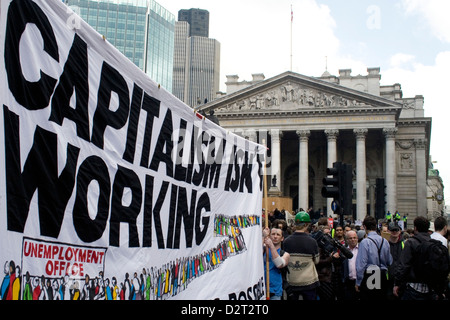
308 123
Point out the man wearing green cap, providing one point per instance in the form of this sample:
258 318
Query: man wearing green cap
302 278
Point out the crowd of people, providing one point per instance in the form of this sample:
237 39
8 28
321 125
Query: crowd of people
316 259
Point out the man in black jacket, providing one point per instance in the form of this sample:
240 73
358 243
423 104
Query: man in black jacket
405 279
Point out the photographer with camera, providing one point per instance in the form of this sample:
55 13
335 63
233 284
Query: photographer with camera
325 268
332 254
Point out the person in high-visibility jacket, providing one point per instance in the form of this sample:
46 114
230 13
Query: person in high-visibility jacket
405 221
389 216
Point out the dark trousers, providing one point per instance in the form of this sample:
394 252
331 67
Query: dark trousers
295 294
350 291
326 291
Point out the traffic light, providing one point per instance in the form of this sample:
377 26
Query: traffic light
332 185
339 187
380 204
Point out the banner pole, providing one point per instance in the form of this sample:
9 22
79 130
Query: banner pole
266 223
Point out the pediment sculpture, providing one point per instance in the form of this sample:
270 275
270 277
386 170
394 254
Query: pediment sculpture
289 96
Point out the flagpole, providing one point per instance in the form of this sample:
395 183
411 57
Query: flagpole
292 18
266 222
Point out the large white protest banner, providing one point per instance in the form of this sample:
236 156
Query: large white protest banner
110 187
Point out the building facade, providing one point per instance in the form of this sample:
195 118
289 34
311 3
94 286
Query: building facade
179 59
309 123
196 66
198 19
141 29
435 194
202 70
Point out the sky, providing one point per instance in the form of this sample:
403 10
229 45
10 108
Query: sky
408 39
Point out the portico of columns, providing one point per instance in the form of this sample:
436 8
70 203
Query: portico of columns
360 169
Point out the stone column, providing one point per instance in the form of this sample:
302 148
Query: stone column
391 173
303 177
421 174
331 155
361 181
275 166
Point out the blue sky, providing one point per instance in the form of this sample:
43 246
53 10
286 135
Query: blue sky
385 28
408 39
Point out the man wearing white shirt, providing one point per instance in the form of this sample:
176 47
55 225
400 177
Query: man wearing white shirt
349 267
440 227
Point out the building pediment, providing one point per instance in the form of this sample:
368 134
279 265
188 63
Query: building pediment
294 92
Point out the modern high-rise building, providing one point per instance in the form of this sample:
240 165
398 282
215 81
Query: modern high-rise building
198 19
196 67
179 59
142 30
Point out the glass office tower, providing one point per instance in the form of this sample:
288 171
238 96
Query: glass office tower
196 68
142 30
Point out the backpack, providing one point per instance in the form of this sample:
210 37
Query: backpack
431 265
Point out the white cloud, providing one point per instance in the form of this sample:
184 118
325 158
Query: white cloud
435 14
255 37
313 38
401 60
431 81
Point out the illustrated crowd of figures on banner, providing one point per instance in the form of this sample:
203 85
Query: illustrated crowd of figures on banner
150 284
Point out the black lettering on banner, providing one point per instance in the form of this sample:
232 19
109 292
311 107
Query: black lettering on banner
110 81
242 172
40 172
73 78
259 160
164 146
151 105
93 168
252 293
186 214
197 175
246 174
125 179
232 183
153 211
189 208
31 95
194 143
203 204
180 171
133 122
172 212
212 168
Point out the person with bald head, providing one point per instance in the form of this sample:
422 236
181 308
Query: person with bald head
349 266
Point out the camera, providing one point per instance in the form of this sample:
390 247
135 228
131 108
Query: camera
330 245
